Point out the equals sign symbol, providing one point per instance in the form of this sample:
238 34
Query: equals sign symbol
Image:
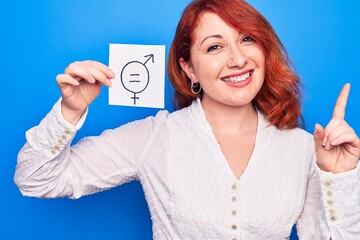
134 75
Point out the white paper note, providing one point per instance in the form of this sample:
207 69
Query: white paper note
140 75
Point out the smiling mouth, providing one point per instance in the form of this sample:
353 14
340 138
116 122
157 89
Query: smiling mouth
238 78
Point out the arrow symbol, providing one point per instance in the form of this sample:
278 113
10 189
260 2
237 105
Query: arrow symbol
150 56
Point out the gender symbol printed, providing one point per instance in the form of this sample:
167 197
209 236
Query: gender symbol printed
135 76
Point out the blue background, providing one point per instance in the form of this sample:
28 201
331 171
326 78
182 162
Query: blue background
40 38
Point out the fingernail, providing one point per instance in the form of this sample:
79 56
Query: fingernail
111 73
334 142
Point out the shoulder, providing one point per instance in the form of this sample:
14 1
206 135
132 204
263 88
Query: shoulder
162 119
294 133
295 136
183 115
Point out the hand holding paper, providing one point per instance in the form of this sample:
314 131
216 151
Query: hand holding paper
80 84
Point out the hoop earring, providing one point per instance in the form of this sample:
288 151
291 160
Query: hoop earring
194 86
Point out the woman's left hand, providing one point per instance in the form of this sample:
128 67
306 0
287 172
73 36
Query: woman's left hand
337 146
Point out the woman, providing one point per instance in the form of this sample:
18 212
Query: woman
231 162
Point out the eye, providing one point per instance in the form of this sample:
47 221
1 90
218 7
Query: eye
213 48
247 40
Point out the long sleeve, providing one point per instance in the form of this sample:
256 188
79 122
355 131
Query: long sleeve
49 167
332 206
341 201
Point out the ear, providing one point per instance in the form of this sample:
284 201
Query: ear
188 69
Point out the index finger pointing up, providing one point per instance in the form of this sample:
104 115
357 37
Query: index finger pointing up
339 110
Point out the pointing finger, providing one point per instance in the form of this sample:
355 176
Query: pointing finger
339 110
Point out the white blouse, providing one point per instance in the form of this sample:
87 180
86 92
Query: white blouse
190 189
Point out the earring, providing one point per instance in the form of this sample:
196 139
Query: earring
195 86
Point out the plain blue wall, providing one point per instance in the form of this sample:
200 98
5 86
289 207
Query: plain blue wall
40 38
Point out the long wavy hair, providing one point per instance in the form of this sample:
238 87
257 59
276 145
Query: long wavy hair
279 99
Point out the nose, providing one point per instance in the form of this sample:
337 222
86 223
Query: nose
236 58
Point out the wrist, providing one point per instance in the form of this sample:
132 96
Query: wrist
71 116
336 169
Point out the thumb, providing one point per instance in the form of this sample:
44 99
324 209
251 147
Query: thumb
319 134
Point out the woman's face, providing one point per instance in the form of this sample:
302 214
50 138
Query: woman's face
230 66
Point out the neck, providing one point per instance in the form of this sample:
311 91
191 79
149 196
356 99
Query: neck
230 119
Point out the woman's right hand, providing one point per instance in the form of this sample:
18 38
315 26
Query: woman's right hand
80 84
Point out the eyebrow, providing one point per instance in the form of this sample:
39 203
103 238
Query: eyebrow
211 36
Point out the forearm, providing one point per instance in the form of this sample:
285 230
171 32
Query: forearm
49 167
44 159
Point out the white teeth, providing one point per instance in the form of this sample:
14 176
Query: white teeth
237 78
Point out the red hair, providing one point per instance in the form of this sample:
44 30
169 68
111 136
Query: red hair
279 97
